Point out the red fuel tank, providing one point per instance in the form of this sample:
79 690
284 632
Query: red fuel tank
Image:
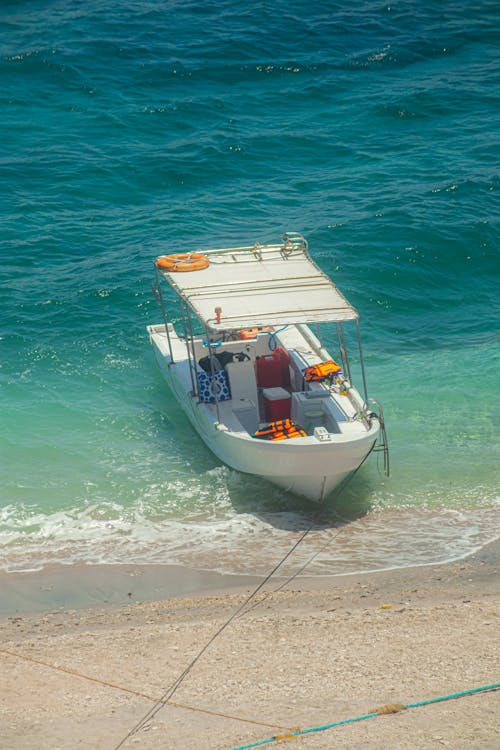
272 370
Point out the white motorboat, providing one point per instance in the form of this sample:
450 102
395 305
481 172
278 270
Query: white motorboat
253 378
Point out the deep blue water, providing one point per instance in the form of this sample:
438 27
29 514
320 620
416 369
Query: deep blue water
131 129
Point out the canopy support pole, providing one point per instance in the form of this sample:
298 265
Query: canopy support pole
192 363
186 339
345 353
361 362
163 310
341 348
318 335
212 371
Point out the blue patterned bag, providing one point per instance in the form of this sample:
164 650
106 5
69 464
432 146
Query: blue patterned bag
209 385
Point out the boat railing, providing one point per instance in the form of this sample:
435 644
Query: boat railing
158 295
373 409
291 242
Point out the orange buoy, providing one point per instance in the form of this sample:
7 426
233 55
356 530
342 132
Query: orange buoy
183 262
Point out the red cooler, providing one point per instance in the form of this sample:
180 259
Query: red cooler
272 369
277 404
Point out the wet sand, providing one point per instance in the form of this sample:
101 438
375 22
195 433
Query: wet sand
87 650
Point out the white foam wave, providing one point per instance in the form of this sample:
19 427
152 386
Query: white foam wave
242 543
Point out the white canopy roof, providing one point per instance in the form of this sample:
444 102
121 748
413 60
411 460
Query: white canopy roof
261 285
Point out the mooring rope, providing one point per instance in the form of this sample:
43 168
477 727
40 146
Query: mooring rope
381 711
138 693
243 608
285 583
391 708
165 698
316 519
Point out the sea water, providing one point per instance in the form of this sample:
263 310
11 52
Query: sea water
134 128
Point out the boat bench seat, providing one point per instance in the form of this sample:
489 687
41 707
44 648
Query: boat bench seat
242 381
247 414
319 408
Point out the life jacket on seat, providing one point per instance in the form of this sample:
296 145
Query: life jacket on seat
280 430
322 371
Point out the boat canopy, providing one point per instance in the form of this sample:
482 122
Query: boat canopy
261 285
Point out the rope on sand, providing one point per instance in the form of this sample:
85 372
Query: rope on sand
244 608
166 697
381 711
138 693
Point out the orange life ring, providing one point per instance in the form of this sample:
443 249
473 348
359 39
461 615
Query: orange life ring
183 262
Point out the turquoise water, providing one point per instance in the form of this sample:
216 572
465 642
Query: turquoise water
135 128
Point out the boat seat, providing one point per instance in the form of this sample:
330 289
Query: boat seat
246 413
242 382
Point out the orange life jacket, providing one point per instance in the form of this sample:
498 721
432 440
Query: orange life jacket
280 430
322 371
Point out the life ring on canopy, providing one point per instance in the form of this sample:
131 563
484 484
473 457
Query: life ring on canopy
183 262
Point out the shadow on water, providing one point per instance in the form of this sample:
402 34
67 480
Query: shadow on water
287 512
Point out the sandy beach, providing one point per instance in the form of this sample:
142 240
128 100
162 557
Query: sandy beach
87 651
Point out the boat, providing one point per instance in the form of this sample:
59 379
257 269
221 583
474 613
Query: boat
251 374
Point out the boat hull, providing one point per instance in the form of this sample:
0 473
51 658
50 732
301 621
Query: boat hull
305 467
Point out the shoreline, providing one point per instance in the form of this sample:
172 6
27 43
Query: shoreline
107 585
95 586
318 651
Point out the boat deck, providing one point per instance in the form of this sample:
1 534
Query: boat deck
312 405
